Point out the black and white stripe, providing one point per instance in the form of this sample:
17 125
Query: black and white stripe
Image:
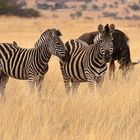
87 63
30 64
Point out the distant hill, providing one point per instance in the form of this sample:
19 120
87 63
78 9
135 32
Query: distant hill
118 9
122 9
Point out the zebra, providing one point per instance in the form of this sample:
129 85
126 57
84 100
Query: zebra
121 51
30 64
87 64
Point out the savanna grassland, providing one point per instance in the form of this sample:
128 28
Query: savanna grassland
112 114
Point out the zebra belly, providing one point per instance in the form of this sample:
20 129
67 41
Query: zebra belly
16 76
75 73
14 71
95 73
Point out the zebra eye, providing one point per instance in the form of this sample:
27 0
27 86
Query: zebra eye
58 43
101 41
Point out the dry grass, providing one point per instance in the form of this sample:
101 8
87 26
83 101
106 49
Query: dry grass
113 114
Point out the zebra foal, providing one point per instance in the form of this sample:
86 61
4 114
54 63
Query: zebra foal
30 64
88 64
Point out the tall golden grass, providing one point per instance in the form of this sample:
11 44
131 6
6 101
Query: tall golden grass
112 114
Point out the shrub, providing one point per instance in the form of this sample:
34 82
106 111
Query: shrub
111 6
134 17
28 12
134 7
116 3
83 7
123 1
104 5
78 14
75 15
109 14
8 7
43 6
95 7
59 5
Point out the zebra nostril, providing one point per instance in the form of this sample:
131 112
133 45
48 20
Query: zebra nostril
107 55
111 51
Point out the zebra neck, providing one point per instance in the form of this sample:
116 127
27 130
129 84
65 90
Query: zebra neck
97 56
43 53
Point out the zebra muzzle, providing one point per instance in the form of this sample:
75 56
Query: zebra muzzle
107 58
66 58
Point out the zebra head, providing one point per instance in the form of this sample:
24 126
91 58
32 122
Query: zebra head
104 40
56 46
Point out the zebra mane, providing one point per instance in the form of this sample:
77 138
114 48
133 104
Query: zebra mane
107 29
46 34
39 41
54 31
42 38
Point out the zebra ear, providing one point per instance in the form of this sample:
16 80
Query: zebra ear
100 28
15 43
58 33
112 28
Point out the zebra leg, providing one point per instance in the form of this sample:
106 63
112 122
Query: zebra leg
31 85
39 84
65 78
3 81
111 69
99 83
67 85
74 86
91 86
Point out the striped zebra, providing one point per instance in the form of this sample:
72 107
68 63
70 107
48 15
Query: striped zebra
88 64
121 51
30 64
